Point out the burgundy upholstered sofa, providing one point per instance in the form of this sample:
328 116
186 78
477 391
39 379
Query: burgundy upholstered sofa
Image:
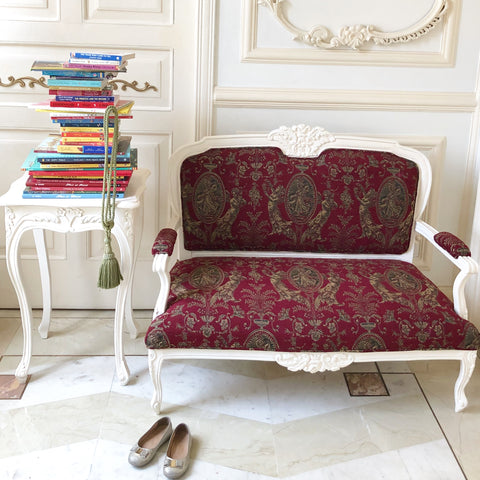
297 247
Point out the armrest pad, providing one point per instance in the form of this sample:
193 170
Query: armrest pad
164 242
452 244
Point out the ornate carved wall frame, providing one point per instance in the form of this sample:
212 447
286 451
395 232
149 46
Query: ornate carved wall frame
352 43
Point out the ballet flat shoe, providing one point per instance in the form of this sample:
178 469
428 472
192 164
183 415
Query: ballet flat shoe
177 457
148 444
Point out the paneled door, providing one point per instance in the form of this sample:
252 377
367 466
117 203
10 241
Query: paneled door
160 79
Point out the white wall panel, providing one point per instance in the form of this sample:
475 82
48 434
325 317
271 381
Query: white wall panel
389 32
148 12
38 10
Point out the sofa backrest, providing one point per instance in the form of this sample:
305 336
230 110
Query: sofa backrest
343 200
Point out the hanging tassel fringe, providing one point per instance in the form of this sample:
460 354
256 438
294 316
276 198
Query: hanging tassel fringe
109 275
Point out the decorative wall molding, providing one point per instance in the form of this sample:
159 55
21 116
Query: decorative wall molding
356 36
22 82
32 81
306 99
133 85
353 44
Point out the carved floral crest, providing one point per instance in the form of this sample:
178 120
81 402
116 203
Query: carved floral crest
301 140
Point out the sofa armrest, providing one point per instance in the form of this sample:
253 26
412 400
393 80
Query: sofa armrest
163 250
164 242
459 254
452 244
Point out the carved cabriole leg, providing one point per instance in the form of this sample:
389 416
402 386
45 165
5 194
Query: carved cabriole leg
14 233
467 365
129 224
155 360
39 237
124 289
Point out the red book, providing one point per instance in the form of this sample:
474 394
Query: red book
73 189
77 173
56 103
72 93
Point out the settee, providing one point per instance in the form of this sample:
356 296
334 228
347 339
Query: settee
297 247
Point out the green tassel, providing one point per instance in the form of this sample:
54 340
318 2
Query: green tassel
109 275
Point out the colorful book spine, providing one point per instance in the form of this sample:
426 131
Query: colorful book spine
85 98
79 93
99 149
58 103
97 66
59 82
83 130
70 73
101 56
27 193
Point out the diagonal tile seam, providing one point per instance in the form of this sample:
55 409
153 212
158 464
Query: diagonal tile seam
439 424
274 437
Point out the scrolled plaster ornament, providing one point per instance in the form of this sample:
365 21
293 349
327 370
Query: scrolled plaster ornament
301 140
357 36
314 362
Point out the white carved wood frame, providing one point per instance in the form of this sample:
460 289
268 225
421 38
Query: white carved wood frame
352 44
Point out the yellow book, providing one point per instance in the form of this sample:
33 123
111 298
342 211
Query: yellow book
85 129
66 140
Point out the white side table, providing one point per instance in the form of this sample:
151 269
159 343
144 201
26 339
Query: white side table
73 215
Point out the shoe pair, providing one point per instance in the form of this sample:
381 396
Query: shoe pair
177 457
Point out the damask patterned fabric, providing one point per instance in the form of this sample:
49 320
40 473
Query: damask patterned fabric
307 305
164 242
452 244
257 198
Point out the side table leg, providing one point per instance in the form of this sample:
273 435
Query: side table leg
131 327
13 267
39 236
123 372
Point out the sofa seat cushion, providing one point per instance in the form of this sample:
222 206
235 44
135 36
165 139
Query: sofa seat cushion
298 305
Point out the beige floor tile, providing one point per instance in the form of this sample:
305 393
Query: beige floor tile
76 335
462 429
9 326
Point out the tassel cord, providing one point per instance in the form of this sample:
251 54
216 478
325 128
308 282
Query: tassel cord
109 275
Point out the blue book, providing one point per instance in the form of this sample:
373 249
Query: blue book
74 157
80 122
109 57
33 161
75 73
95 98
57 82
27 193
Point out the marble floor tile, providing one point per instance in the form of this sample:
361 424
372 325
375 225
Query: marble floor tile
71 461
8 327
250 420
77 335
53 379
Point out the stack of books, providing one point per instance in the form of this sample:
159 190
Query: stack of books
71 164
